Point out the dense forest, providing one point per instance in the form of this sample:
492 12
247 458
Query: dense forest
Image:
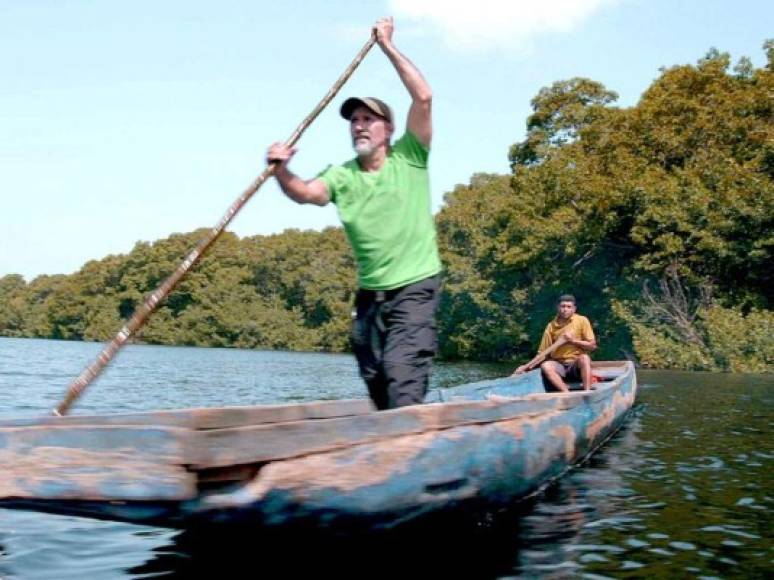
658 217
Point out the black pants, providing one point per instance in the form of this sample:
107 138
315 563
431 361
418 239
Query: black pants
394 339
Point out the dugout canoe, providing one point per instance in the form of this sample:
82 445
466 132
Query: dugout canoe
315 464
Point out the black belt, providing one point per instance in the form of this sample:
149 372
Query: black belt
384 295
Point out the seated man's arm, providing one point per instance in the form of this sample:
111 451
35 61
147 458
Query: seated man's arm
587 345
545 342
587 340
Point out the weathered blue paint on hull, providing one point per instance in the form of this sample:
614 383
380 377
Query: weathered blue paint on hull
494 463
418 460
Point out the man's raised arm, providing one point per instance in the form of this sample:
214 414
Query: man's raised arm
420 114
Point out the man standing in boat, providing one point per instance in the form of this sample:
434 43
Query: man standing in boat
573 338
383 200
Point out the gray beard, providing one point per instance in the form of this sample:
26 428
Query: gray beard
363 148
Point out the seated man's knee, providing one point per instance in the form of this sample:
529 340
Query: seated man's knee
584 360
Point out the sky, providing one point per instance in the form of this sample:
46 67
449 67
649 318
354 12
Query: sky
130 121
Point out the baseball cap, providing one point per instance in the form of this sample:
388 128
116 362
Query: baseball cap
373 104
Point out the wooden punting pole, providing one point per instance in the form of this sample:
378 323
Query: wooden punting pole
159 294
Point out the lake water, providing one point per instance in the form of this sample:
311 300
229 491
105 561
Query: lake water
683 490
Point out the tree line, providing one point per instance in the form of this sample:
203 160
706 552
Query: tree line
658 217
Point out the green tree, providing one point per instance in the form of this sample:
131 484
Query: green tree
602 199
627 208
12 288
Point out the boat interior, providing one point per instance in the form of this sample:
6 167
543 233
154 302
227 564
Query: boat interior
527 384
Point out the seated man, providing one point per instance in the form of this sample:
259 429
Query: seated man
566 342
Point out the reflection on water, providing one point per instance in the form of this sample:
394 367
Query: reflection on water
683 490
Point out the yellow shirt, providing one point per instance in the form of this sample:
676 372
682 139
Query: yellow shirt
579 326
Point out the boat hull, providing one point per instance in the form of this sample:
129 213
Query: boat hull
489 443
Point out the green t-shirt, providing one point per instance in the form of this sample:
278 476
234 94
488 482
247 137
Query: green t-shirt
386 215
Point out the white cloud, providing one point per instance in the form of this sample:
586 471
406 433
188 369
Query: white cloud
481 25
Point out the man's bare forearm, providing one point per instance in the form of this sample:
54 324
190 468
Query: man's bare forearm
312 191
299 190
419 120
587 345
409 74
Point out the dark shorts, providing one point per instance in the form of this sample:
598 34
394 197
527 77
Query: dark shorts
394 340
569 371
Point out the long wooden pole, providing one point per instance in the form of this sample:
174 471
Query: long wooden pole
159 294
